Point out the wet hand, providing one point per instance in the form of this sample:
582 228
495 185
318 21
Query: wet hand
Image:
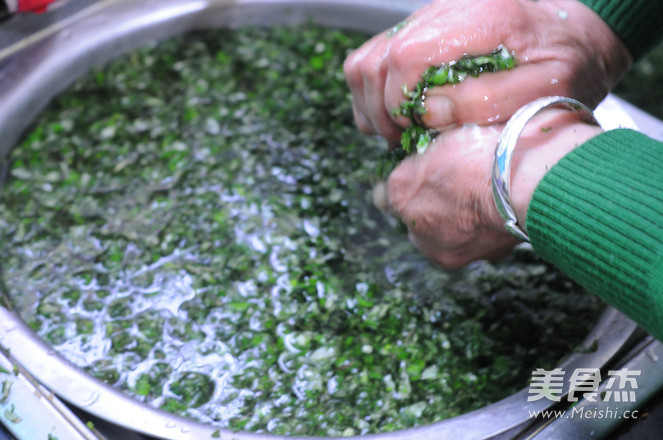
444 196
561 46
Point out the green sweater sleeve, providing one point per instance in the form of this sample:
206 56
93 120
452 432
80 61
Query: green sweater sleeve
637 22
598 216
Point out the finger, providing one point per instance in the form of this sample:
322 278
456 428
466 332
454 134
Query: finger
365 71
381 199
378 115
360 120
407 65
493 97
405 185
352 69
353 62
448 34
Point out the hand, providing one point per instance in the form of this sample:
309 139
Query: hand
562 48
444 196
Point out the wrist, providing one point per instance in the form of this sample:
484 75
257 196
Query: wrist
536 156
548 137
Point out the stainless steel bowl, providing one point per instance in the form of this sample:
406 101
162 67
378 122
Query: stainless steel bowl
36 67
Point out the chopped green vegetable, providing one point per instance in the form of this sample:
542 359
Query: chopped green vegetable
6 389
417 137
11 415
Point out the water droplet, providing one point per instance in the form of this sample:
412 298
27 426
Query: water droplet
171 425
185 430
289 343
311 228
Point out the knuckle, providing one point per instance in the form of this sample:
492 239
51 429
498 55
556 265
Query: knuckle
372 67
360 120
351 68
400 55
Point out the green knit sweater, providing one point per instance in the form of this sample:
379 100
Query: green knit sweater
637 22
598 215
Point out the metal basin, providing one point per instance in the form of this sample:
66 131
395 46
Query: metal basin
33 70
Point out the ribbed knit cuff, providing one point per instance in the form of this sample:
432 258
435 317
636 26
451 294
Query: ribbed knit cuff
598 215
637 22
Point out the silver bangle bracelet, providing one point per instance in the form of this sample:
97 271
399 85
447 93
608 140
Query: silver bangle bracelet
501 178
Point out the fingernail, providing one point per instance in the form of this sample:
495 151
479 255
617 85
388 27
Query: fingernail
380 199
440 112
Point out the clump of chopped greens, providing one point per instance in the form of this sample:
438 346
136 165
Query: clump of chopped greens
192 225
417 137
